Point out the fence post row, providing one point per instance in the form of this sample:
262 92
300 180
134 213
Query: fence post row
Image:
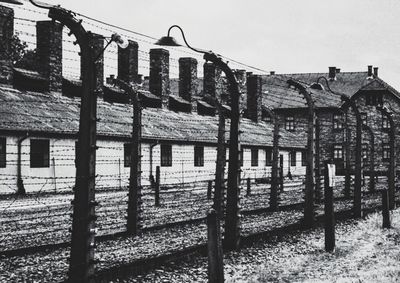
329 212
357 209
372 159
385 209
309 215
81 265
347 177
214 248
273 198
157 187
317 161
232 219
392 161
248 185
134 196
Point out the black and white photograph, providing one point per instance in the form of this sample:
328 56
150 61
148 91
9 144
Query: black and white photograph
200 141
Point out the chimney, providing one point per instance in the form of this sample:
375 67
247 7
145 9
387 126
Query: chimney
211 80
159 74
128 63
241 78
254 98
6 34
272 73
97 41
369 70
188 79
375 71
49 52
332 73
337 70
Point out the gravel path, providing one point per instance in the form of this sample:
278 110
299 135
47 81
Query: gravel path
364 253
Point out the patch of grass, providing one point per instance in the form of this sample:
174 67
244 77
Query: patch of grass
364 253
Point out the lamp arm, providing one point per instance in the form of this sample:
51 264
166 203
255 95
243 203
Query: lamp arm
184 39
41 4
326 81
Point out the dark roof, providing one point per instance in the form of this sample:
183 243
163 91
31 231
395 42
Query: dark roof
277 93
345 82
378 84
53 113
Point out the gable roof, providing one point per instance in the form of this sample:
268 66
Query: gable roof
345 82
277 93
53 113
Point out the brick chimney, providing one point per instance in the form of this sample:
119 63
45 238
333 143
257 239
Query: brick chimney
369 70
128 63
188 79
272 73
241 78
6 34
97 42
159 74
49 52
254 97
211 81
332 73
375 71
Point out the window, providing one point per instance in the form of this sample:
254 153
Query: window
40 153
338 151
289 123
199 155
304 158
363 118
3 152
268 157
254 157
166 155
293 158
368 99
365 151
386 151
268 119
241 157
385 122
337 121
127 154
373 99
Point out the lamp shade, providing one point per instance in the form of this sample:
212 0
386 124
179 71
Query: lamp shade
16 2
121 41
167 41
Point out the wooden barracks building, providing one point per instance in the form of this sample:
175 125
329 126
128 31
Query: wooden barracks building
39 117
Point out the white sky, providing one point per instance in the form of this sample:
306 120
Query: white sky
284 36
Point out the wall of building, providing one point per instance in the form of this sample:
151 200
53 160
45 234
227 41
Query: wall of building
111 172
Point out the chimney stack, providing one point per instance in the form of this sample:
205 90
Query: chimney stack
375 71
97 41
6 34
332 73
49 52
211 80
159 74
272 73
128 63
369 70
337 70
188 79
254 97
241 78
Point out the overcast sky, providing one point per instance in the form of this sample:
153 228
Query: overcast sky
284 36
